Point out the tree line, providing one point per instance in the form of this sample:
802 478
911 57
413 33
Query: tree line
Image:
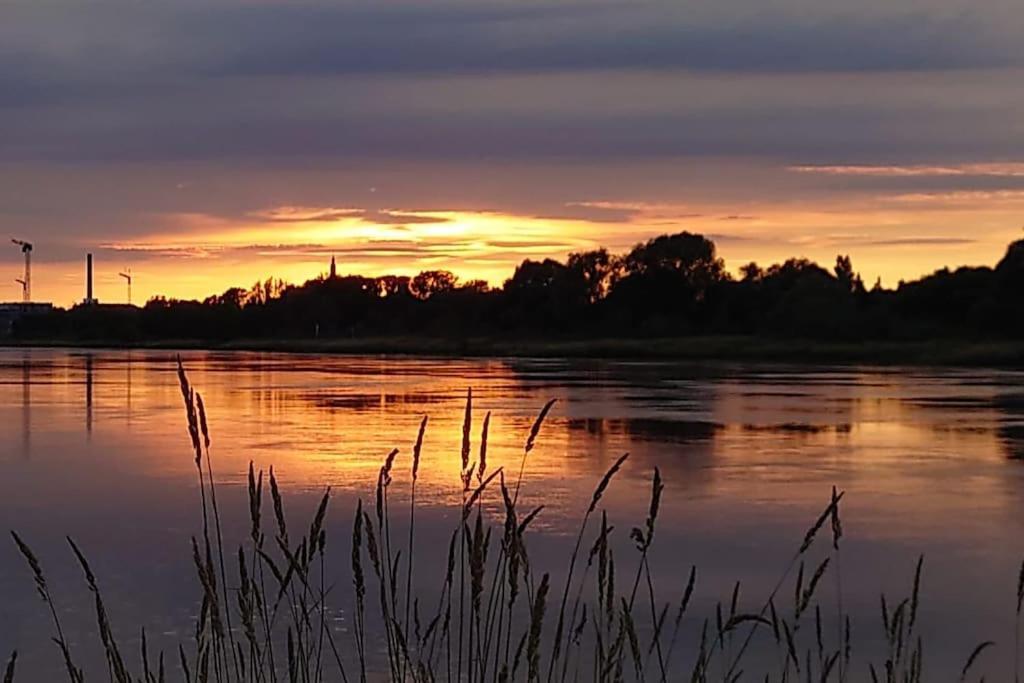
672 285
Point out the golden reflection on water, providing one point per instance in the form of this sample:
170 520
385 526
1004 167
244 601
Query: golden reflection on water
931 442
94 445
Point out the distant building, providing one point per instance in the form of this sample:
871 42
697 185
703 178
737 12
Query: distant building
334 269
10 313
89 300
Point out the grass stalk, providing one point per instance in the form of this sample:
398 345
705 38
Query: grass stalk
481 630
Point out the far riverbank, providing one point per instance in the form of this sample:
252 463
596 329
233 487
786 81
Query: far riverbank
698 348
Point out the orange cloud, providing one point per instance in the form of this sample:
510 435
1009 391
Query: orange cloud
1009 169
892 236
961 196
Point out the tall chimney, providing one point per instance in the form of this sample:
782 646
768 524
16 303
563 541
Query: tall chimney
88 279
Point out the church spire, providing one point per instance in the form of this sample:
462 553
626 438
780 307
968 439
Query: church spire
334 269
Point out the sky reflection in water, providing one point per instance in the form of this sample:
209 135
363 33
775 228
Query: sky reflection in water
94 445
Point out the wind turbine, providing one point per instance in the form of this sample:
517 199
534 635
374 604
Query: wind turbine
127 275
26 284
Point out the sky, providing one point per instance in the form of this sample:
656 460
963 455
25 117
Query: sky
204 144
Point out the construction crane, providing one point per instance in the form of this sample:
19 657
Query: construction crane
127 275
24 293
26 249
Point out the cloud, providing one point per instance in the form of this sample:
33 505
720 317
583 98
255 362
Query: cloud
840 241
298 214
119 41
233 124
506 38
548 246
342 82
723 237
474 237
919 241
958 196
1006 169
400 217
123 119
165 250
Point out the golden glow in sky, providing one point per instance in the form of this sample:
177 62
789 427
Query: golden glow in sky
484 134
899 237
891 231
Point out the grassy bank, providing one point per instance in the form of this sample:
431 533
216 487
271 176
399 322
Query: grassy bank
500 613
945 352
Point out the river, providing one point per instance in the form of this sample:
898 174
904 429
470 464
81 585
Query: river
93 444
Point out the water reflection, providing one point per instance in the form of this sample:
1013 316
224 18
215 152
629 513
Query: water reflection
26 404
683 449
647 429
87 358
749 454
382 400
128 362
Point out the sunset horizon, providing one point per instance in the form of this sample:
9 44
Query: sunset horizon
207 255
511 341
470 136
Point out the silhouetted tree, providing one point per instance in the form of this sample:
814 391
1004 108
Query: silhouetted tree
672 284
945 300
392 285
594 269
431 282
751 272
846 276
691 257
262 292
235 297
664 283
544 295
475 287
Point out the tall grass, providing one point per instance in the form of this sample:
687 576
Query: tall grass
496 615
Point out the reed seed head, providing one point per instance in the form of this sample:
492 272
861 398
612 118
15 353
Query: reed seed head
467 426
531 440
418 448
605 481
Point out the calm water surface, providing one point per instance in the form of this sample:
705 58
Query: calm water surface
93 445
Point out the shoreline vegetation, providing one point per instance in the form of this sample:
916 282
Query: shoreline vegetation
500 614
725 349
669 297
